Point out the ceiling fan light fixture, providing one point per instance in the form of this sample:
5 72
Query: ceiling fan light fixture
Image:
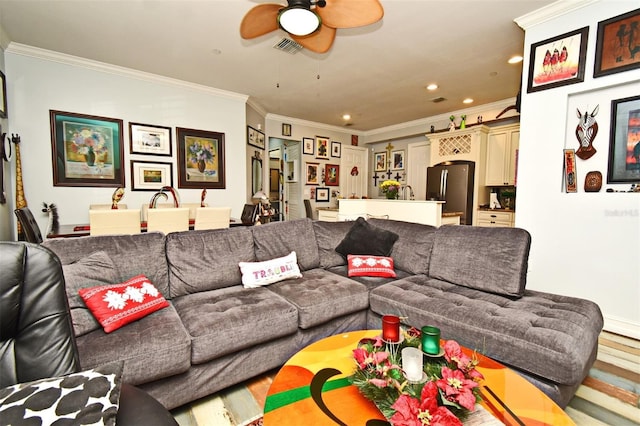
298 18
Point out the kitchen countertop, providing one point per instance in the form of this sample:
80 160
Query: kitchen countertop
451 214
487 209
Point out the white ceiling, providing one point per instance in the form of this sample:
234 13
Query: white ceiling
376 73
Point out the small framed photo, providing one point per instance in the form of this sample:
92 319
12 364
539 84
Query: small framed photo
624 145
286 129
149 139
150 176
307 146
558 61
614 50
86 150
322 147
336 149
380 161
332 175
397 160
3 96
200 159
570 174
322 195
312 174
255 137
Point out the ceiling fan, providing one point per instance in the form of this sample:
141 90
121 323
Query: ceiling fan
311 23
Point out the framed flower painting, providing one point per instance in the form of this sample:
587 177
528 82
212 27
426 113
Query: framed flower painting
87 150
200 159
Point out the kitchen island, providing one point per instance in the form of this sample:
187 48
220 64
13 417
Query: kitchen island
425 212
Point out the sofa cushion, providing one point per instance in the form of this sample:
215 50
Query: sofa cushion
364 238
152 348
547 335
412 251
328 236
87 397
117 305
370 266
228 320
207 260
95 269
489 259
257 274
321 296
278 239
131 254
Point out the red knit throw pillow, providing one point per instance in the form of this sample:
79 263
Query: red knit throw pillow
119 304
361 265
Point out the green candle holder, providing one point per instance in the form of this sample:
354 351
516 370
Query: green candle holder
431 340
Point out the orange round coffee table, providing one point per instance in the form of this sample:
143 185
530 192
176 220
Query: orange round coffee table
312 388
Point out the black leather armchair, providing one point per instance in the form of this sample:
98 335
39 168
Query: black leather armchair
36 334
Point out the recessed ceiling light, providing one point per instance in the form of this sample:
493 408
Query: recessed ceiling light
346 117
467 101
515 59
432 86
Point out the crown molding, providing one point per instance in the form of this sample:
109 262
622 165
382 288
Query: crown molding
62 58
257 107
551 11
292 120
424 123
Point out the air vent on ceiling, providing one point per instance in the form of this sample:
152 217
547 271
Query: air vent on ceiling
439 99
288 45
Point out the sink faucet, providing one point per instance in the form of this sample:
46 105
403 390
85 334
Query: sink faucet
403 188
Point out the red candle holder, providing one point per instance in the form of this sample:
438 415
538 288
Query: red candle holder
390 328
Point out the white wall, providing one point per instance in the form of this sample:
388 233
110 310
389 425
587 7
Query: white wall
583 244
40 81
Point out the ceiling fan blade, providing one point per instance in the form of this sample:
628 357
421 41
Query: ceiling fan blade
350 13
319 41
260 20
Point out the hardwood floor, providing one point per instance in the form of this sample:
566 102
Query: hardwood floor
609 396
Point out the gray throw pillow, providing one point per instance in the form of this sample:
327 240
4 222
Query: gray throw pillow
91 271
364 238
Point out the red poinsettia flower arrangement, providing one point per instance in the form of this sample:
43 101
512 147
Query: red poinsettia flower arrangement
446 398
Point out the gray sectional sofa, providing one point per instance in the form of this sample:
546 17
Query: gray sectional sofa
468 281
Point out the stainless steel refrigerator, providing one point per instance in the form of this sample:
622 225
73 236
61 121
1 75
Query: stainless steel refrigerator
452 182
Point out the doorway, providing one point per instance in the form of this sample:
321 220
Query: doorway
284 166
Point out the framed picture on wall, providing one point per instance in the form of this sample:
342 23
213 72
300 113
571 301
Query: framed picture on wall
87 150
286 129
149 139
200 159
624 145
255 137
312 173
322 194
615 52
380 161
558 61
3 96
332 174
150 176
307 146
322 147
336 149
397 160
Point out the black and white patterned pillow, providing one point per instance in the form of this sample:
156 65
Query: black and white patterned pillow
87 398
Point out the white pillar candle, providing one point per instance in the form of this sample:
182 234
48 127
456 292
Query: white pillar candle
412 363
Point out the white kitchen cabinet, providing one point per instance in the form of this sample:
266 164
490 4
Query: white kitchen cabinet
496 218
327 214
502 147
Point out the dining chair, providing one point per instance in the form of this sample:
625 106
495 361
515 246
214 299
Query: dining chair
192 208
106 206
307 208
168 220
249 214
109 222
145 208
212 218
30 228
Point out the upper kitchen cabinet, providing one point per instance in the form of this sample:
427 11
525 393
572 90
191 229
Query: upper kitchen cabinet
466 144
502 148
